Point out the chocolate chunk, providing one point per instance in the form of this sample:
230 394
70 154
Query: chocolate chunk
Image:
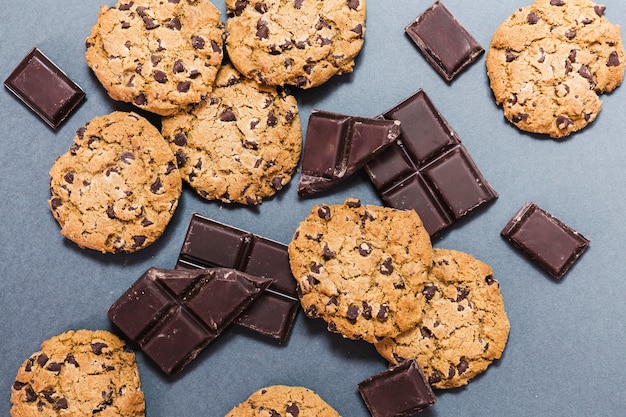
400 391
174 314
338 145
443 41
544 239
44 88
212 244
428 169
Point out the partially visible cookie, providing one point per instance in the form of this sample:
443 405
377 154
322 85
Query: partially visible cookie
548 63
79 373
294 42
241 144
117 187
463 326
158 55
283 401
361 268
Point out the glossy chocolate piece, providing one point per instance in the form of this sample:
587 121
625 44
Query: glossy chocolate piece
428 169
337 146
173 314
544 239
400 391
212 244
44 88
443 41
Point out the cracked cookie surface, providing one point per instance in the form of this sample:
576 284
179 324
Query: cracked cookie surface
463 326
241 144
294 42
158 55
79 373
117 187
549 62
361 268
283 401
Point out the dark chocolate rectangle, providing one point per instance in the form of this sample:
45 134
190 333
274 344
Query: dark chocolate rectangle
443 41
209 243
401 391
173 314
338 145
44 88
544 239
428 169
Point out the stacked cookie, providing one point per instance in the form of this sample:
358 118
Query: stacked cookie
371 273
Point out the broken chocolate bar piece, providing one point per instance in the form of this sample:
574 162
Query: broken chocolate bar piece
338 145
173 314
400 391
212 244
428 169
443 41
44 88
546 240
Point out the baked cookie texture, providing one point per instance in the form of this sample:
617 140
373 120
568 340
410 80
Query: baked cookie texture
361 268
294 42
462 326
549 62
117 187
283 401
79 373
241 144
158 55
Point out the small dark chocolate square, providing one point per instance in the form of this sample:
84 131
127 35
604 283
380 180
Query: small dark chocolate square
443 41
44 88
401 391
544 239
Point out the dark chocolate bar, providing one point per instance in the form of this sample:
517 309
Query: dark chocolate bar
400 391
174 314
44 88
428 169
443 41
546 240
338 145
209 244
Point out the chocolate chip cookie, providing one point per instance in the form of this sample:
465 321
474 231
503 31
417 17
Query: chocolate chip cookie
294 42
283 401
462 327
158 55
361 268
241 144
117 187
549 62
79 373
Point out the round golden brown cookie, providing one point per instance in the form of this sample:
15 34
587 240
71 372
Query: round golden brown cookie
548 63
241 144
294 42
117 187
463 326
158 55
283 401
361 268
79 373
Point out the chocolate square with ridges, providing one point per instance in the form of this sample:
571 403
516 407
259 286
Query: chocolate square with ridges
44 88
174 314
209 243
544 239
428 169
447 46
337 145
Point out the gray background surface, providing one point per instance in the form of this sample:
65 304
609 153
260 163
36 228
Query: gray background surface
567 344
